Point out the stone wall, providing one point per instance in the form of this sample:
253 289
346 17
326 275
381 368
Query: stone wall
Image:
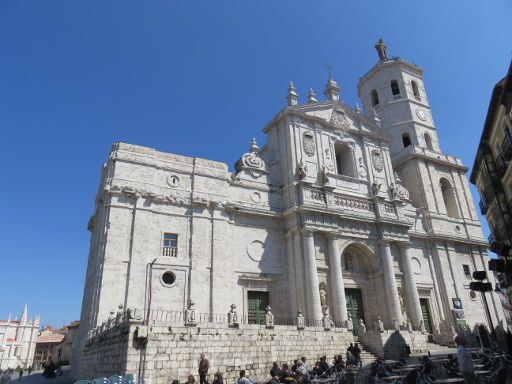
390 344
173 352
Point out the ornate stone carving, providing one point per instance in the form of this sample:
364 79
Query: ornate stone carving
269 318
376 184
409 325
252 162
233 321
302 171
401 191
362 169
328 161
190 315
308 142
324 178
300 320
377 160
339 120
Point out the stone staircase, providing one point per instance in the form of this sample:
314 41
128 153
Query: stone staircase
367 357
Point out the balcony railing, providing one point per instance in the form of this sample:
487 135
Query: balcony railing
483 206
506 146
170 251
501 165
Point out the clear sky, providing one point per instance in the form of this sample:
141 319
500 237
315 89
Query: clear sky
198 78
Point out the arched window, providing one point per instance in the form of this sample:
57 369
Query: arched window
415 90
375 98
406 139
394 89
428 142
449 198
344 160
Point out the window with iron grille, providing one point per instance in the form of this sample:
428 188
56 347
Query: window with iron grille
467 272
170 245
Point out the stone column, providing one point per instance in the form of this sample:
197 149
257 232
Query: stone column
312 290
337 286
411 290
291 274
394 309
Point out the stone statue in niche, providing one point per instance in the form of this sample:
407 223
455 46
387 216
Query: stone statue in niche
328 160
349 262
269 318
422 326
393 191
409 325
323 296
362 169
301 170
396 325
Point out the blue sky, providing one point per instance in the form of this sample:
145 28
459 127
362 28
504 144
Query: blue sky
199 78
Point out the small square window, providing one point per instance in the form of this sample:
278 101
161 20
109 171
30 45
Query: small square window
467 272
170 245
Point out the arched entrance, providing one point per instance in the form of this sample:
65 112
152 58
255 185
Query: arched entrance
364 289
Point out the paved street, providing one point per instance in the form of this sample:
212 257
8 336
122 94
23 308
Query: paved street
37 378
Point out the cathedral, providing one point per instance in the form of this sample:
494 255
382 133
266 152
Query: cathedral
354 212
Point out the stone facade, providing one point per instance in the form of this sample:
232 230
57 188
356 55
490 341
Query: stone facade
18 341
343 214
172 351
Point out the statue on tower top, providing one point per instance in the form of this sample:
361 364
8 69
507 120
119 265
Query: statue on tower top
382 50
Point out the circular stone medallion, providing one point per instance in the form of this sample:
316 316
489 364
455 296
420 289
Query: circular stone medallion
255 250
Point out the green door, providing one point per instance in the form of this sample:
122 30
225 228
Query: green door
257 302
354 306
427 320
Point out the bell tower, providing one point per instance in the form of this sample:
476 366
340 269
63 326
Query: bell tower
393 91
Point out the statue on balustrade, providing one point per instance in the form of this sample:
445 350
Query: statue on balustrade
233 317
190 315
269 318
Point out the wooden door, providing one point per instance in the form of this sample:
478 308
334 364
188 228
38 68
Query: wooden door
355 306
257 302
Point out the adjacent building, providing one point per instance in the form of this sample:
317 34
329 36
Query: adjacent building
47 340
492 174
18 341
356 213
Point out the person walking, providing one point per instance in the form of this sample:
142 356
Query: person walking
29 370
204 366
357 354
466 365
